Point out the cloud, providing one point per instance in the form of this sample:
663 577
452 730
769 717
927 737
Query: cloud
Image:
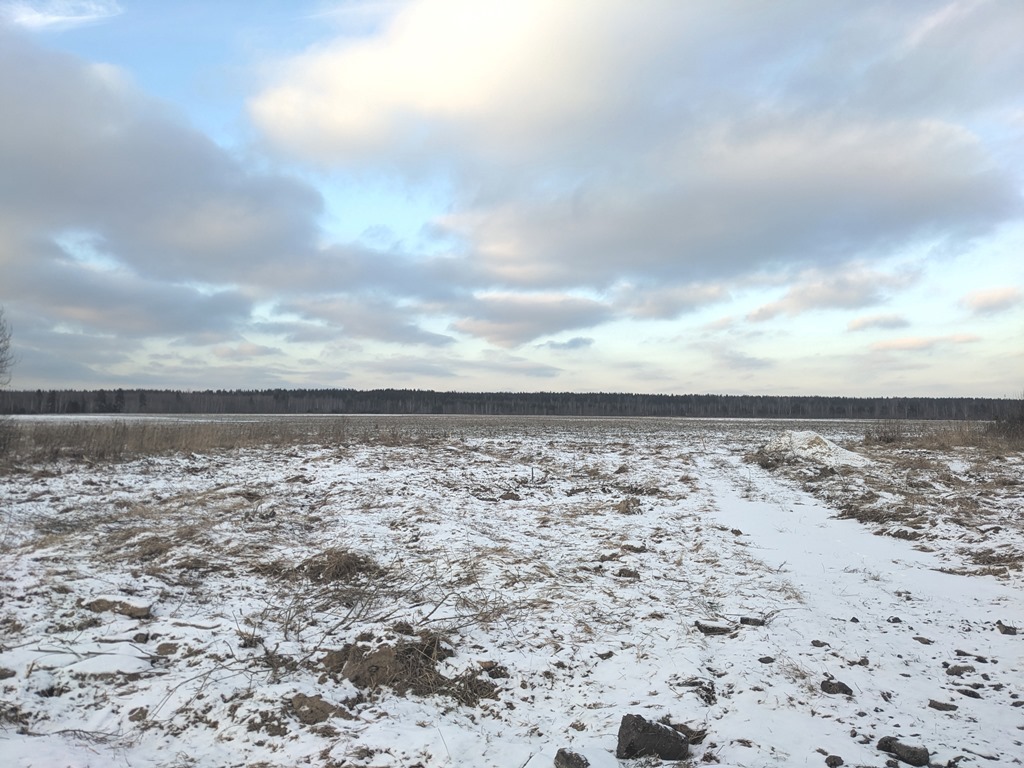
58 14
877 321
88 151
630 147
244 351
857 287
118 218
369 318
451 71
576 342
992 301
502 365
652 301
633 162
736 360
923 343
509 320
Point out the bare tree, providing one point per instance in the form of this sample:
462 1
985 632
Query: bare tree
6 356
6 361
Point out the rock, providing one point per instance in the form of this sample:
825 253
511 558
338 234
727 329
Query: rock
1005 629
958 670
917 756
6 673
166 649
566 758
639 737
819 643
751 621
709 628
767 659
124 607
923 640
833 761
942 706
969 693
627 573
835 686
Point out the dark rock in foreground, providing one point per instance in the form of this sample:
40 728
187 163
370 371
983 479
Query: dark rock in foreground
639 737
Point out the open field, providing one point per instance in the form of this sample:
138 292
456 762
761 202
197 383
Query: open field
460 591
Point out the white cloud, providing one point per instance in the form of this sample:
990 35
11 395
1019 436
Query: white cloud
58 14
923 343
992 301
509 320
855 288
885 321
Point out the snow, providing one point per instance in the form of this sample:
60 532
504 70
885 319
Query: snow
573 558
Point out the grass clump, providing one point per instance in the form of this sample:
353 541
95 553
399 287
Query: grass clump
339 565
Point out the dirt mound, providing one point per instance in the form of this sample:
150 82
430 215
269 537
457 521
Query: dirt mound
408 666
808 447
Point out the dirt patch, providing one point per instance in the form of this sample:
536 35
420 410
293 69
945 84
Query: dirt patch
312 710
408 667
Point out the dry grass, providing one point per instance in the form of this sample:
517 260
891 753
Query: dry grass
994 436
99 440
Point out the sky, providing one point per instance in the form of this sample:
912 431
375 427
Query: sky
654 196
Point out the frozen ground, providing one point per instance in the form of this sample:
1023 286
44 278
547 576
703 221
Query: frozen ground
475 592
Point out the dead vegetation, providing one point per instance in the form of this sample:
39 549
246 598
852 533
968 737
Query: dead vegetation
994 436
45 441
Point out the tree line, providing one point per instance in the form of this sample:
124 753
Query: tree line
414 401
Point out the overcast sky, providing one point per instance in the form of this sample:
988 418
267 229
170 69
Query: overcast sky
576 195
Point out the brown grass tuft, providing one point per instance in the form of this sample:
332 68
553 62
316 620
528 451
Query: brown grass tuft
339 565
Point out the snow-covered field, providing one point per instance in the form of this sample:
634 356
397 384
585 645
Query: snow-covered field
484 592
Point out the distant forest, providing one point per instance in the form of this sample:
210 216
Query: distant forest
410 401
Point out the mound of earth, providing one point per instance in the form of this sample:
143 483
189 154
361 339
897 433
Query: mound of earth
807 447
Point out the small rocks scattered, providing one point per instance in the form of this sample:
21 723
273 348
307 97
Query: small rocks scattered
942 706
917 756
639 737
